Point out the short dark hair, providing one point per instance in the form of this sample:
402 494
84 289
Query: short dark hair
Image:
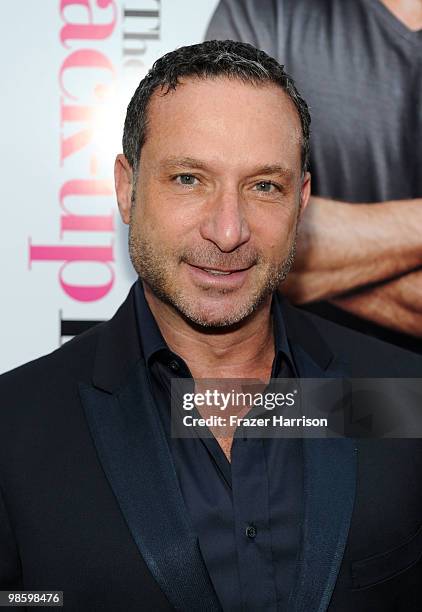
209 59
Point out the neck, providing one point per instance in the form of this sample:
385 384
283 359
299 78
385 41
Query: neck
243 351
408 12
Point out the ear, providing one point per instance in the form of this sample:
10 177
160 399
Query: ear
123 183
305 193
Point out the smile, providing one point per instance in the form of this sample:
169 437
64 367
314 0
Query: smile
216 272
218 279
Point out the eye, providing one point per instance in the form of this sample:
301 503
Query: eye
266 187
186 179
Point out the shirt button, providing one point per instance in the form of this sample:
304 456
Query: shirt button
251 531
174 366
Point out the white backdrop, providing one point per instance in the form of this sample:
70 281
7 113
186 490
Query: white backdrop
68 70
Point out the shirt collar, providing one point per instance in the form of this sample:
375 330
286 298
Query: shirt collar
150 336
153 344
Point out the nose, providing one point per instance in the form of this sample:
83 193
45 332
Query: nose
225 223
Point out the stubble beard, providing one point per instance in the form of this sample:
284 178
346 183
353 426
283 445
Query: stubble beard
152 267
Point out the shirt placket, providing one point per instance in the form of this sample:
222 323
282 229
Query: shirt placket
251 515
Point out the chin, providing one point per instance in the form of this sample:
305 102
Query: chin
216 315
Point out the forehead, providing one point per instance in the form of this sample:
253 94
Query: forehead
229 121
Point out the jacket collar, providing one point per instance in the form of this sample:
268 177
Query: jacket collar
118 347
305 339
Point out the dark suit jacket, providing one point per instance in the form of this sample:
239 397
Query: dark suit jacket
90 502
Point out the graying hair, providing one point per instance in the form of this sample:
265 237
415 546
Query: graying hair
208 60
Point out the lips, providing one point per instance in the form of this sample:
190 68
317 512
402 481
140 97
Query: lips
217 279
217 272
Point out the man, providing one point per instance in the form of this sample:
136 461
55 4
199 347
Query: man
358 65
98 499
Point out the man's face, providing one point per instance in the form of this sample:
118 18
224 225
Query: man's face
219 189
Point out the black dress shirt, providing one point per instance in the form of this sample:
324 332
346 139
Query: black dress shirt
247 513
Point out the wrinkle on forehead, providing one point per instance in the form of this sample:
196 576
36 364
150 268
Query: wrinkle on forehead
205 118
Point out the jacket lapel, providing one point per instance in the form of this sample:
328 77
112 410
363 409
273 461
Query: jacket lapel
136 459
330 477
330 470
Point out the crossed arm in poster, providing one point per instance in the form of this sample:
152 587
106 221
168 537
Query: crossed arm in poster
366 259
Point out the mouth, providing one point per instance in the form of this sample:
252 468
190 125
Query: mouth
219 272
220 279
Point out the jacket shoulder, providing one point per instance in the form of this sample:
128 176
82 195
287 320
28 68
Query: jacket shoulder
365 355
73 360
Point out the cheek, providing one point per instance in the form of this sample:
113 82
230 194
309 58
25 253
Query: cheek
169 227
275 230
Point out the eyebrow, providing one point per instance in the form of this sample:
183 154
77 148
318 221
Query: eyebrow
191 162
184 162
274 169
